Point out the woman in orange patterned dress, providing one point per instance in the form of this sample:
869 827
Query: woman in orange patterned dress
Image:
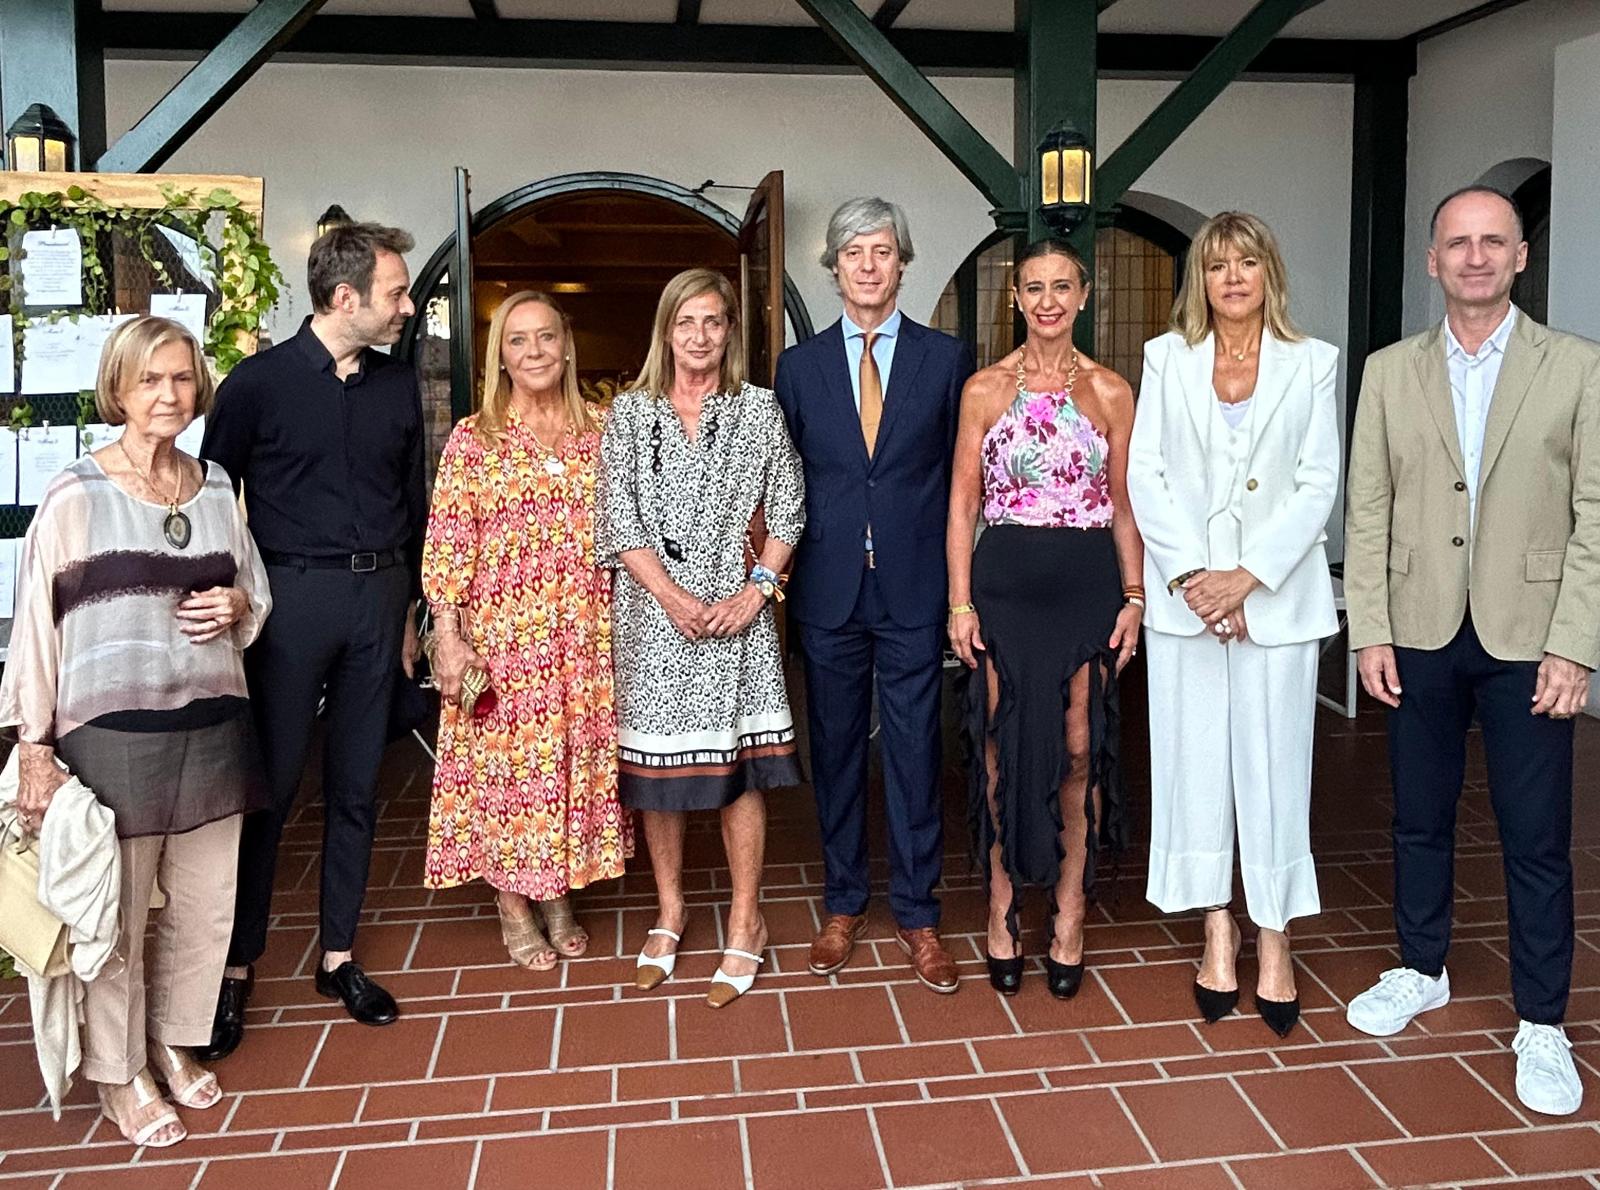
525 790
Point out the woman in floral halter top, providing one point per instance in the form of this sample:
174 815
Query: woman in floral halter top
1045 613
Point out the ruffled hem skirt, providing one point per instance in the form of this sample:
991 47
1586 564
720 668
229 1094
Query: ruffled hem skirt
1047 602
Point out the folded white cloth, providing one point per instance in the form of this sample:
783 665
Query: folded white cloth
80 881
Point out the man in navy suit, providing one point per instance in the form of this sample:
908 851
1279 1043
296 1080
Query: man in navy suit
872 405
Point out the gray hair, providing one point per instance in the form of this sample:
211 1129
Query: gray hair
863 216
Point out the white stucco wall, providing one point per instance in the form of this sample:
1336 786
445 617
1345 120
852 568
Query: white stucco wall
381 141
1482 95
1574 181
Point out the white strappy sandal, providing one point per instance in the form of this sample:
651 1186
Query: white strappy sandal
652 971
145 1094
199 1093
725 988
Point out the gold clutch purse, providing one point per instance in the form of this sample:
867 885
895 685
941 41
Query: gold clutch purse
29 932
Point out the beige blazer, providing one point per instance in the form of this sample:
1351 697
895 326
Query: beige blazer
1532 572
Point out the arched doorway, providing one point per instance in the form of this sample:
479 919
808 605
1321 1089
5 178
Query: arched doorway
604 244
1138 268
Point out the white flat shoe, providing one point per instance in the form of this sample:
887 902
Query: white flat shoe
1400 994
651 971
725 988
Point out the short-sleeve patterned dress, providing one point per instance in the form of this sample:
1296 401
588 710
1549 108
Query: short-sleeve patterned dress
525 797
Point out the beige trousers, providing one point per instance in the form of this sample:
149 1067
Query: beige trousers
168 995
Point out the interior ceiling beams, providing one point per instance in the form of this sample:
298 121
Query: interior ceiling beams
485 10
619 44
889 12
688 12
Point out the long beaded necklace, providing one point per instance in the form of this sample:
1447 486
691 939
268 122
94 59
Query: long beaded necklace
175 527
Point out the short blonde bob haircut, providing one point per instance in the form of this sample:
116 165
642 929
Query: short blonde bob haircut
656 376
495 401
128 353
1191 313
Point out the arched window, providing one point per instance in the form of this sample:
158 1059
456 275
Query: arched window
1138 267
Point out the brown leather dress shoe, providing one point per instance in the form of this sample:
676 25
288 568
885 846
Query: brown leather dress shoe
929 959
830 949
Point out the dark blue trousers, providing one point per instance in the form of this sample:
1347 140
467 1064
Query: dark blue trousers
840 663
1530 787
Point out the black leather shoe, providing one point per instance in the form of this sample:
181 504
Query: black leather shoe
1280 1015
1064 979
1214 1005
227 1027
1005 975
364 1000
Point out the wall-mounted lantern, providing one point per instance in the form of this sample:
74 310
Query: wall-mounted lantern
39 141
331 218
1066 176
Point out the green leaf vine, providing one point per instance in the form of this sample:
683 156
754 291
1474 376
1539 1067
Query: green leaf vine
247 277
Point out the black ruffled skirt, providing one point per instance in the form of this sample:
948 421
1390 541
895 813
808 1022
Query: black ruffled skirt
1047 602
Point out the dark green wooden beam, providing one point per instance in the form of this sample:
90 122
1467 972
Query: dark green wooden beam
485 10
865 44
688 12
889 12
51 53
212 81
1227 60
1055 84
1379 121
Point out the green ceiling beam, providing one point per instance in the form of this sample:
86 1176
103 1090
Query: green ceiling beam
967 149
1227 60
212 81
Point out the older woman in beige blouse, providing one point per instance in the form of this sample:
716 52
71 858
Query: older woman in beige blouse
139 588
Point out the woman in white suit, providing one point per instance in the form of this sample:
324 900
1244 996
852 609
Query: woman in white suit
1232 469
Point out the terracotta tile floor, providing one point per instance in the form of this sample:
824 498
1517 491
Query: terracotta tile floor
500 1078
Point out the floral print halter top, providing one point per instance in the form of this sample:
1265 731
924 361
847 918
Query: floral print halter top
1044 463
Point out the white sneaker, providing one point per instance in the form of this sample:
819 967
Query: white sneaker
1547 1080
1399 995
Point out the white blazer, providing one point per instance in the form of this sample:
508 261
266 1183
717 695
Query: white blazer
1289 480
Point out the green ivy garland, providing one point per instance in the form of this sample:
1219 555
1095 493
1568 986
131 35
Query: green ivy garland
247 277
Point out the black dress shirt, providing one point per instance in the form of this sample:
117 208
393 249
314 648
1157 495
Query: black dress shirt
329 467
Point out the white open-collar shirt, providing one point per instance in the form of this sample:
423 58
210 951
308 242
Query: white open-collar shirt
1472 381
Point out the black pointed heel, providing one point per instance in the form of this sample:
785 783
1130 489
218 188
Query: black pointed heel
1005 975
1280 1015
1064 979
1214 1005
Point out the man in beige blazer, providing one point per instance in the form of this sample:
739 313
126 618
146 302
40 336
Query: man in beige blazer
1472 571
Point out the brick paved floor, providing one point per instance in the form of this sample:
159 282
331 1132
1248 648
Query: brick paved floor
499 1078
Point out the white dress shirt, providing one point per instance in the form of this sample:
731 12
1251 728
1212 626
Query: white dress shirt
882 350
1472 381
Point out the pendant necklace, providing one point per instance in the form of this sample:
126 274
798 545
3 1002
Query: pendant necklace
1072 375
553 466
175 527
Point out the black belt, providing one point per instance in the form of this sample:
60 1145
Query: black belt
364 563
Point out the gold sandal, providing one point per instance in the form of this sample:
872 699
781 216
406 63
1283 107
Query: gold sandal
525 941
151 1114
191 1084
566 935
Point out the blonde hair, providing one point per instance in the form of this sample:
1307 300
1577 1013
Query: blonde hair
127 354
1191 312
495 399
656 376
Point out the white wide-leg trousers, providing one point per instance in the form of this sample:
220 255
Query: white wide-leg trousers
1230 750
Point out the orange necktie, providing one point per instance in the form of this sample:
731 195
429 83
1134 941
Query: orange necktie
871 394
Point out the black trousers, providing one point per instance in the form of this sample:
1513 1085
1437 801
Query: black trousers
839 665
339 632
1530 787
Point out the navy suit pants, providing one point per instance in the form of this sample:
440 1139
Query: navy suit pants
839 665
1530 788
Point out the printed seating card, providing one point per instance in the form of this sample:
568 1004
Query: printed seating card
52 268
41 453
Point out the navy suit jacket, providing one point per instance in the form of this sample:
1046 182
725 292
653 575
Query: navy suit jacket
903 489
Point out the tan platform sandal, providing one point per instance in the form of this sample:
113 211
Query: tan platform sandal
191 1084
566 935
151 1116
525 941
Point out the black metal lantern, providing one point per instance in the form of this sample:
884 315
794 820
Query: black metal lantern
39 141
331 218
1066 177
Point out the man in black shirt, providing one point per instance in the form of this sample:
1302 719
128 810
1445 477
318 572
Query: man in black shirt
325 435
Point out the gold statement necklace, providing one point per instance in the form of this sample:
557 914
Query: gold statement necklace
175 526
1072 375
